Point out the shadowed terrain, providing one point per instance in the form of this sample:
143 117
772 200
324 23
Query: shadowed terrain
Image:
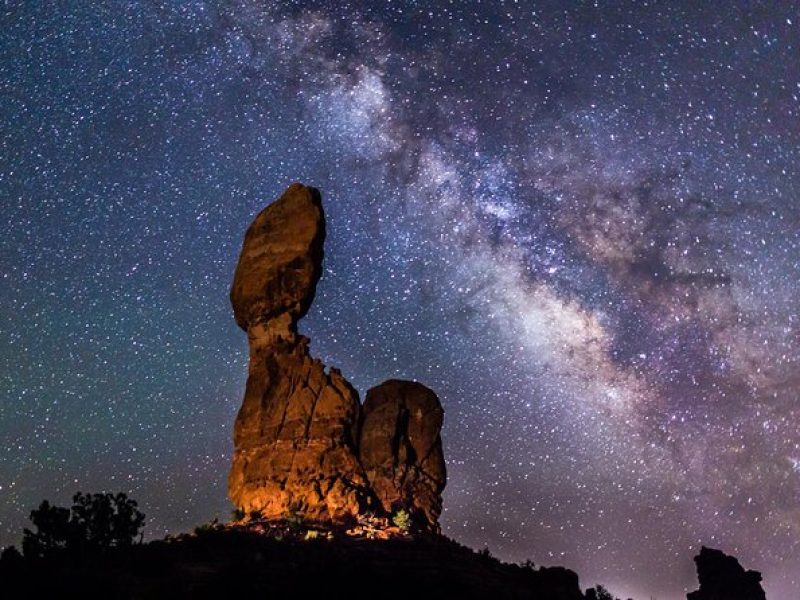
234 562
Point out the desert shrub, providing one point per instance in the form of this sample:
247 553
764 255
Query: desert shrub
293 519
238 514
212 525
402 520
599 593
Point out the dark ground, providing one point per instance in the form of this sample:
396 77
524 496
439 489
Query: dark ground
232 562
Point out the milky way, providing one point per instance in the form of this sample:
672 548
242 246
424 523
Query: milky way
577 222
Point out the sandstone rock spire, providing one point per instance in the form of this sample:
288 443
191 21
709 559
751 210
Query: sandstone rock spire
297 434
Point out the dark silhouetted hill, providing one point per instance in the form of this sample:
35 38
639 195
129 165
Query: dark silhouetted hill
235 562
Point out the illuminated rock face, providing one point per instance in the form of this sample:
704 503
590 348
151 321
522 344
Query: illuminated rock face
295 434
296 437
401 449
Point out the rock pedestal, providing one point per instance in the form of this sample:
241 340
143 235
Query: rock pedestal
295 434
301 444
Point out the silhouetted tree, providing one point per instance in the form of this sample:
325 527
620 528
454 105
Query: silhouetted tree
10 558
95 522
53 530
106 520
599 593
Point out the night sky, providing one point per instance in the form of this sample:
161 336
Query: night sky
578 222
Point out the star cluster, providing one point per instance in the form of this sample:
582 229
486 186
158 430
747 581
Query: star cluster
577 221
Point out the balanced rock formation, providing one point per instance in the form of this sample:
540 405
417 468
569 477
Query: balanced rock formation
297 434
723 578
401 450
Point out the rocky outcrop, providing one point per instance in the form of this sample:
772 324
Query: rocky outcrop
401 450
723 578
297 434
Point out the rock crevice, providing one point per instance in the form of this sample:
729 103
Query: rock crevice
303 443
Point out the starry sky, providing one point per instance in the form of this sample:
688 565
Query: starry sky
577 221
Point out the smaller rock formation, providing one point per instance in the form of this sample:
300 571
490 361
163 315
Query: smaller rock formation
401 450
723 578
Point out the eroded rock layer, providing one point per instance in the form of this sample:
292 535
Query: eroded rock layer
297 434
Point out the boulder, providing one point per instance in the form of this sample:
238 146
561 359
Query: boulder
281 260
400 448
